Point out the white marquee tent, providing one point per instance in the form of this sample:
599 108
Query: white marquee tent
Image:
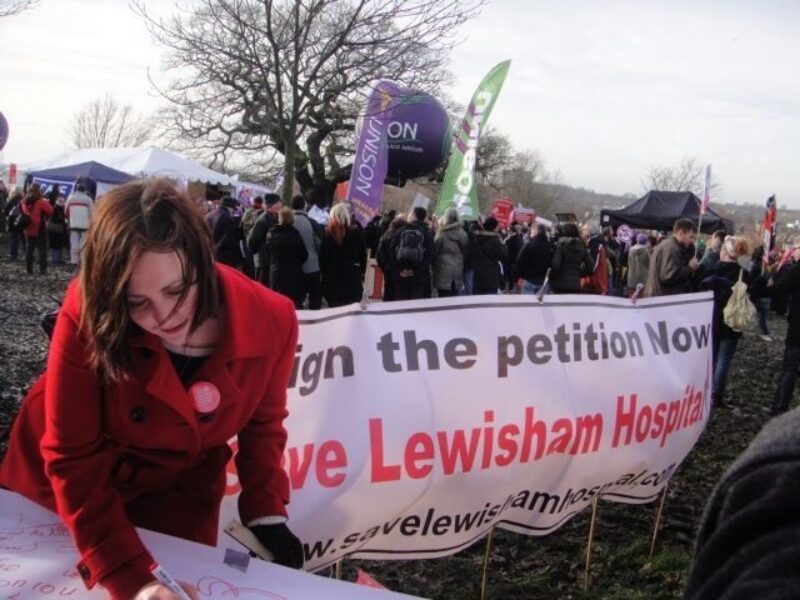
144 161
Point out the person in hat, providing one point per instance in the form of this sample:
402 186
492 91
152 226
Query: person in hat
257 237
225 232
155 363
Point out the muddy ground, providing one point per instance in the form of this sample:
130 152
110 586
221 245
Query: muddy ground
520 566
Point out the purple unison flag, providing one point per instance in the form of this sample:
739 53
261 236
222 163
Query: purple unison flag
372 151
3 131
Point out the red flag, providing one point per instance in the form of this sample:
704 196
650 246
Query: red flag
770 222
365 579
787 254
597 282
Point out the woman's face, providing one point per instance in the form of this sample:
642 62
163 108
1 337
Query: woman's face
154 289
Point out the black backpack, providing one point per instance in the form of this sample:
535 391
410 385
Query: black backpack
18 219
411 248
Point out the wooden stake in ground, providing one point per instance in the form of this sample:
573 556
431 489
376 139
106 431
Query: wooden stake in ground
658 521
336 570
589 546
486 557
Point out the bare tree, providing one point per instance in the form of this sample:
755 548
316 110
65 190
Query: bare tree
292 74
688 176
104 123
9 8
495 157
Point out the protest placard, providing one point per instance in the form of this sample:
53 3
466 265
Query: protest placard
38 558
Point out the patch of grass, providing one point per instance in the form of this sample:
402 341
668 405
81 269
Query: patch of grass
671 560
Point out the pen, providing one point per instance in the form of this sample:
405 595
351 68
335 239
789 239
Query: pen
166 579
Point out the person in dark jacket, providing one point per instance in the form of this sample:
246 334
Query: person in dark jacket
257 238
720 278
471 228
384 257
287 253
514 243
789 283
533 261
17 238
372 235
449 245
225 233
672 262
57 235
571 261
413 280
748 543
757 275
342 259
488 254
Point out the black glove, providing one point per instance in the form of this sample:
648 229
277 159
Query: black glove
284 545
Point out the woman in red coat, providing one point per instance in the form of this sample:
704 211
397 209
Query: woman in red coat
37 208
156 362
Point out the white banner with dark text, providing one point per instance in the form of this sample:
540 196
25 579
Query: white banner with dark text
416 427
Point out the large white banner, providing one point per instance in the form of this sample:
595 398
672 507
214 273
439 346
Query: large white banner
416 427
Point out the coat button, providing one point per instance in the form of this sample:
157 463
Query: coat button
138 414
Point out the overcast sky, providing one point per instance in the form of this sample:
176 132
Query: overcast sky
602 90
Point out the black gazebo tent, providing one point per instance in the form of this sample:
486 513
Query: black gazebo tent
659 210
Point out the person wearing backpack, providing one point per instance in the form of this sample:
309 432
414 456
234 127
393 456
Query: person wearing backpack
13 211
720 278
37 209
411 255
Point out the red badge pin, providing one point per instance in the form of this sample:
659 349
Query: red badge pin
205 396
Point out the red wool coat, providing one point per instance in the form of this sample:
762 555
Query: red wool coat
108 458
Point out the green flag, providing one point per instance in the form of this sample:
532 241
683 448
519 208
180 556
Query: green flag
458 188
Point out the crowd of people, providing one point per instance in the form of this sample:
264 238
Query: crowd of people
421 257
318 264
38 223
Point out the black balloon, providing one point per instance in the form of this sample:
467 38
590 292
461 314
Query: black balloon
3 131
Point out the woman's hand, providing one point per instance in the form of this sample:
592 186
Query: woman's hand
158 591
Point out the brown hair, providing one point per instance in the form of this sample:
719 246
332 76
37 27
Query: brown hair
683 225
129 220
285 216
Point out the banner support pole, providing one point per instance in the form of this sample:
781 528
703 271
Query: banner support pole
699 230
338 569
589 546
486 557
658 521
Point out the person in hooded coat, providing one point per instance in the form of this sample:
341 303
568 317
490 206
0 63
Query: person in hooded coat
287 253
489 253
571 261
449 246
